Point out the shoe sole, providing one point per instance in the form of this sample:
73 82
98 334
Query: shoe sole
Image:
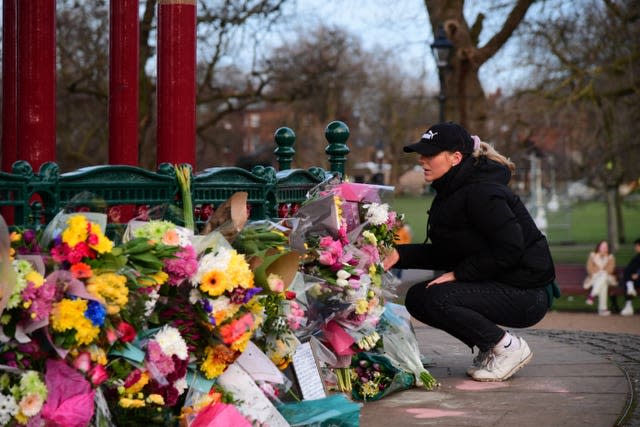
510 373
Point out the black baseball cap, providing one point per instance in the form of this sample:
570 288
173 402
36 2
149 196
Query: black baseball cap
442 137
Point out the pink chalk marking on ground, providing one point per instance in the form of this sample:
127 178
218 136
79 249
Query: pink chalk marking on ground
479 386
433 413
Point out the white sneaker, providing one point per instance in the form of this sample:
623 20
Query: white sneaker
604 313
628 309
631 289
502 365
480 361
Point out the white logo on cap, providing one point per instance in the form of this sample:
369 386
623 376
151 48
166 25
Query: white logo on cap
429 135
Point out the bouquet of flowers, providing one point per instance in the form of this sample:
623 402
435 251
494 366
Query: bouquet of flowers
22 396
345 254
275 266
147 381
224 293
373 376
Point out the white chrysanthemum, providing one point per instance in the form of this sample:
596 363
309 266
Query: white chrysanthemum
150 304
8 408
212 261
377 214
171 342
181 385
185 236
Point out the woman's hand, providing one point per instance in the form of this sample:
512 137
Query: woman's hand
446 277
391 259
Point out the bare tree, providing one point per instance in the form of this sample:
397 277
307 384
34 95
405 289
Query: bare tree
585 61
464 89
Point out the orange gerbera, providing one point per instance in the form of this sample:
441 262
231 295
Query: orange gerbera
214 282
80 270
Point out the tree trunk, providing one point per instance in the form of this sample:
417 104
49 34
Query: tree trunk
465 100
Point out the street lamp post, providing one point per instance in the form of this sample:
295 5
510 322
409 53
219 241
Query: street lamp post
442 48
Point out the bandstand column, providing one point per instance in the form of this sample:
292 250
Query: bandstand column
9 84
36 90
176 87
123 82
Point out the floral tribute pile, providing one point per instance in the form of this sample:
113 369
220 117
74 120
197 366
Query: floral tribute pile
144 330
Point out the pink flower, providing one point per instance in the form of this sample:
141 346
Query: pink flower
326 258
82 362
275 282
182 267
97 375
158 362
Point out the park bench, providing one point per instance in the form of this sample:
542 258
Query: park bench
570 278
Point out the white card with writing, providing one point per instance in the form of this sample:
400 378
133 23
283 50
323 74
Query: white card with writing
307 373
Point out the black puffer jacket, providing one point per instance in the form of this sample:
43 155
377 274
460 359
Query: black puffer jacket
480 230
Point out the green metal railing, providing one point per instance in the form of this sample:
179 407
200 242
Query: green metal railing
30 200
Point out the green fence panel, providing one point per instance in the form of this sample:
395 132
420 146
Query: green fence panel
14 198
31 200
213 186
122 192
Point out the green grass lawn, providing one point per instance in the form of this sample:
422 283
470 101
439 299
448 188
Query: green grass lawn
578 304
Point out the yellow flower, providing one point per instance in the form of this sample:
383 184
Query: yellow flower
239 272
69 314
15 236
104 245
241 343
139 385
131 403
214 282
361 306
111 289
98 354
76 231
156 399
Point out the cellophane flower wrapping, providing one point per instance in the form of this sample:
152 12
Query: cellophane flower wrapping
374 376
400 346
275 266
347 230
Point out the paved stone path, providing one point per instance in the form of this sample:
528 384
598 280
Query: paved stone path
622 350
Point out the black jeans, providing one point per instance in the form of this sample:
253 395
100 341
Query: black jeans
472 311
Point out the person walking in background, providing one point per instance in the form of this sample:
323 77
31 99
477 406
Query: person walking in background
601 266
631 280
497 265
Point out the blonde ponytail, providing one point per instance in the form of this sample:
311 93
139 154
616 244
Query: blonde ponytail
487 150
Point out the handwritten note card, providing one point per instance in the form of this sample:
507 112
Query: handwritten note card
307 373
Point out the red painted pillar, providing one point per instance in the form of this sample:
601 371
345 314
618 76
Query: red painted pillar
9 84
123 82
37 81
176 87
